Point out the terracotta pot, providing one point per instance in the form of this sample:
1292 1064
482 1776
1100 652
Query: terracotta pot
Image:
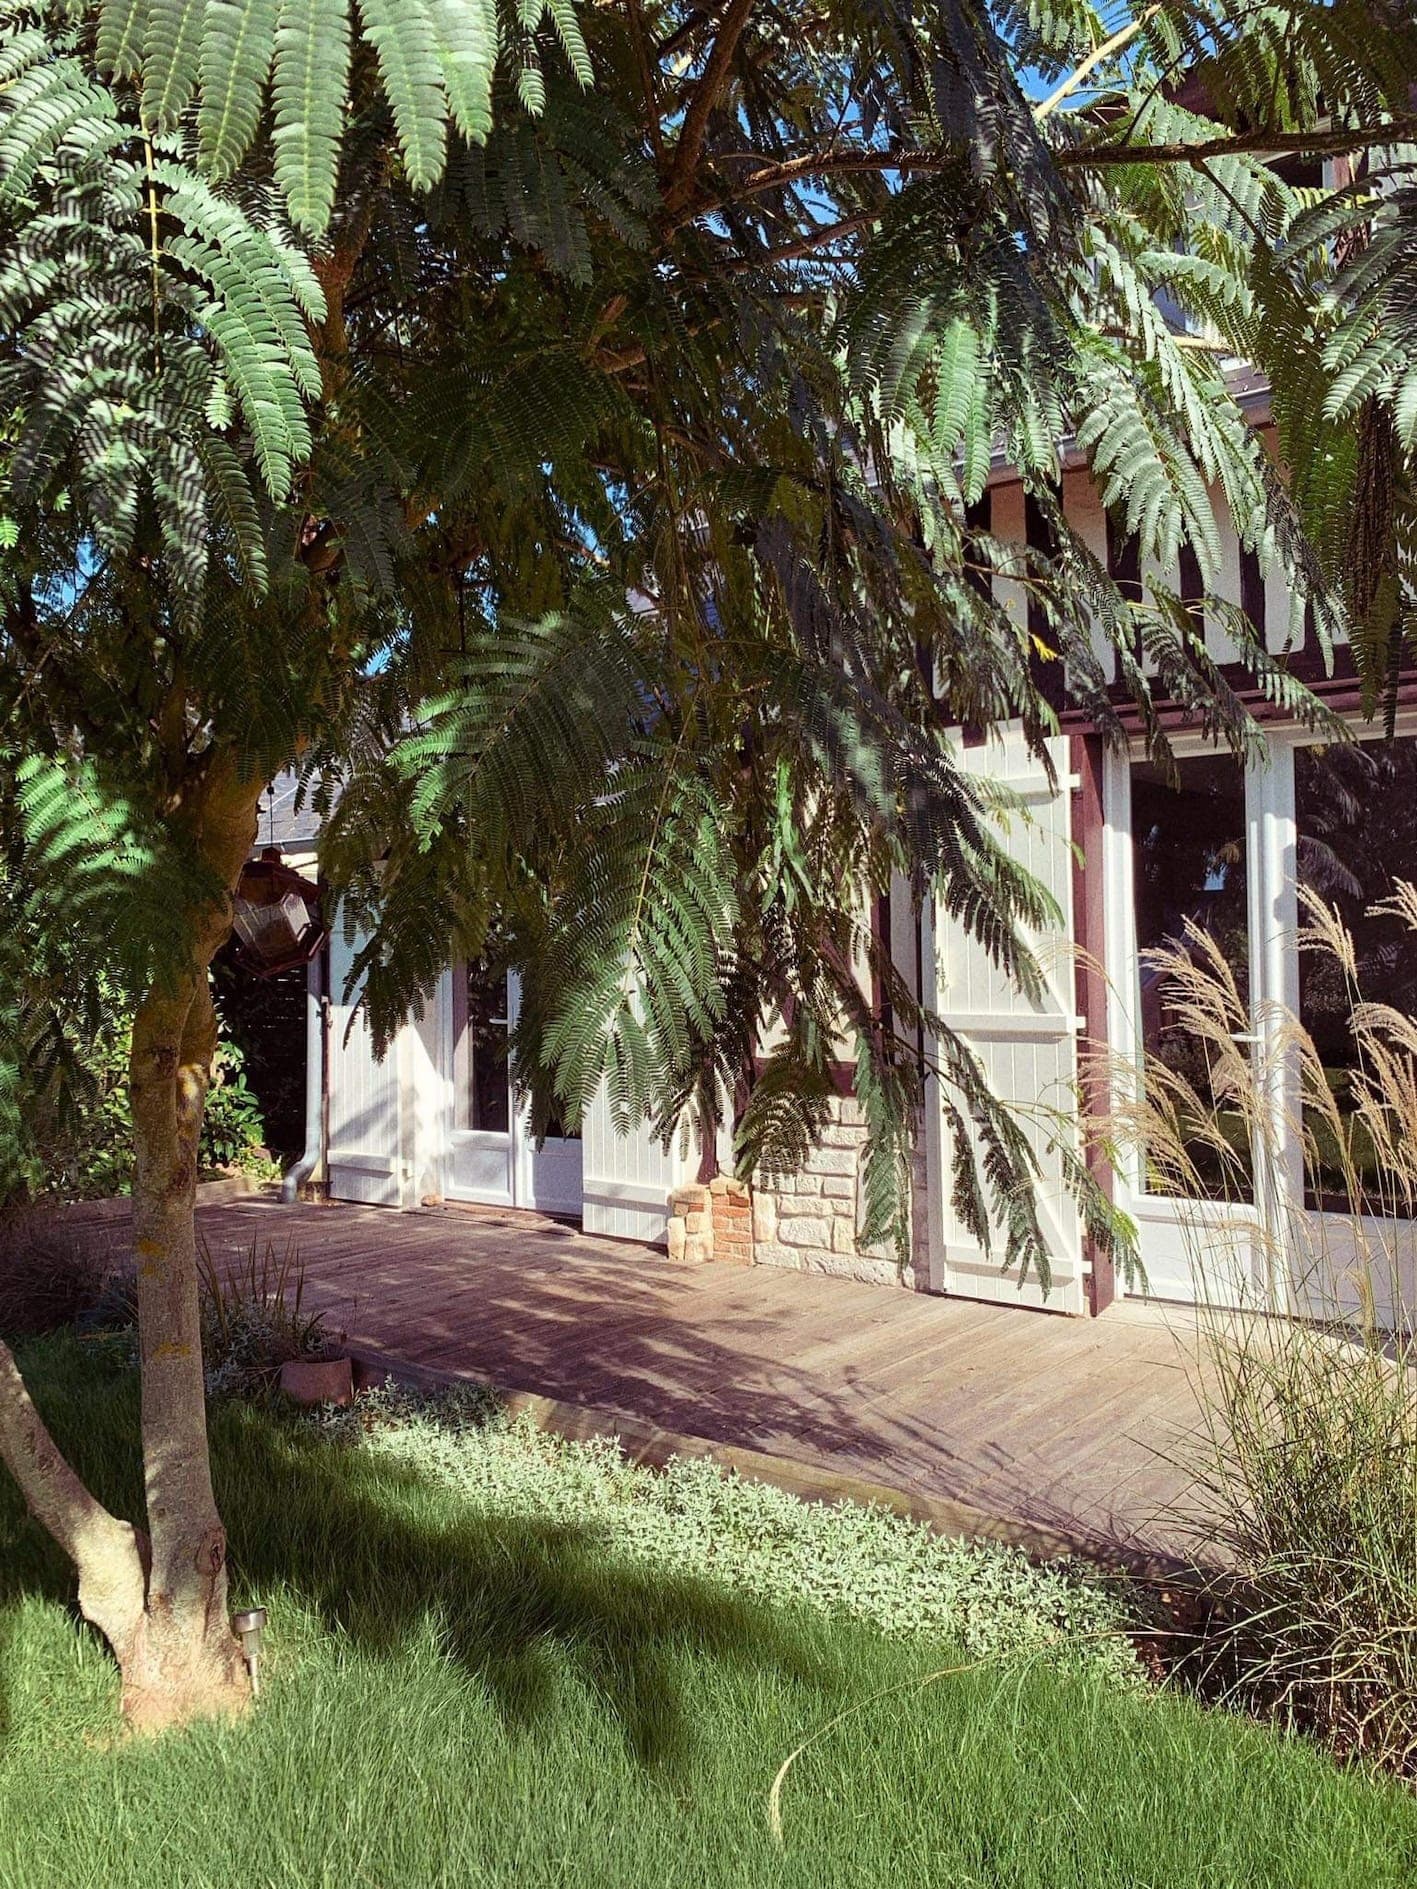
318 1380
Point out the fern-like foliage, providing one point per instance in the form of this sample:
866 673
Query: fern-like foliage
560 430
148 313
436 61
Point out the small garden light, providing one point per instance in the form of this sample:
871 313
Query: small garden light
248 1628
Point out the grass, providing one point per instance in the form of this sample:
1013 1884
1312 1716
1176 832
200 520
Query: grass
485 1669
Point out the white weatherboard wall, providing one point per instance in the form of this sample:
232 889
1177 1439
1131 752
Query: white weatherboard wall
366 1157
393 1131
1027 1046
626 1180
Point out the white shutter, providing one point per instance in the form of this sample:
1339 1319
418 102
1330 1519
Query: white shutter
1028 1047
626 1180
365 1154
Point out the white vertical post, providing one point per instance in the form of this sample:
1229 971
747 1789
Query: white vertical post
1274 999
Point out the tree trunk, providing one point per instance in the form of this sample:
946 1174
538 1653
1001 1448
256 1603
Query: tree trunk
185 1661
110 1555
160 1599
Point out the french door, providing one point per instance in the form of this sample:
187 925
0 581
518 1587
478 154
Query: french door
1201 856
1220 854
491 1154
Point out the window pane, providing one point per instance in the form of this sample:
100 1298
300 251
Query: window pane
1356 811
1189 865
482 1060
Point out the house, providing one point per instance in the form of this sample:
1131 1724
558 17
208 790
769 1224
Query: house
1128 857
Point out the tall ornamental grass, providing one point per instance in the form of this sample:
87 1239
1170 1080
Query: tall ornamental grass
1306 1456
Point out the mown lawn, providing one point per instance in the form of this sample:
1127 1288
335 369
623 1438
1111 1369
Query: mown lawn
484 1670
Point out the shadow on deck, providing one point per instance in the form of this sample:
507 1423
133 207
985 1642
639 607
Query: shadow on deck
1053 1430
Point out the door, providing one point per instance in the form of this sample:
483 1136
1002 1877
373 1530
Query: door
1353 809
365 1156
1229 847
492 1156
1027 1046
1190 860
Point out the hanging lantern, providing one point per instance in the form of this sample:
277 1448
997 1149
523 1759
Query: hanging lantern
277 923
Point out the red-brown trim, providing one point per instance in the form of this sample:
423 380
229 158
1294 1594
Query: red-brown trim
1342 694
1089 920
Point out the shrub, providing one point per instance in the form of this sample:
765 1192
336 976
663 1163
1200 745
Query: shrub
695 1518
1306 1459
1310 1480
73 1140
254 1318
50 1277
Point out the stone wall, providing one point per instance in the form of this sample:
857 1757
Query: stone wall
808 1221
805 1221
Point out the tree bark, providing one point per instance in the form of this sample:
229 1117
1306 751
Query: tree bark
185 1662
160 1599
110 1555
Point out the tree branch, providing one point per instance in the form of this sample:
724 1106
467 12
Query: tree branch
106 1552
1257 143
815 164
1094 59
689 149
837 163
642 61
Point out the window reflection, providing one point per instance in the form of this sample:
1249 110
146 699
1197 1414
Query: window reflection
1190 867
1356 813
482 1069
480 1026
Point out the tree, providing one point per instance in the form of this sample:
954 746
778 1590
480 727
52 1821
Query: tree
560 430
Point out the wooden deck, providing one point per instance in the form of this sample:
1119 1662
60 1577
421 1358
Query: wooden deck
1058 1424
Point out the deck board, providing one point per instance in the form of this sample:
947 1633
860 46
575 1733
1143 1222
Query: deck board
1050 1421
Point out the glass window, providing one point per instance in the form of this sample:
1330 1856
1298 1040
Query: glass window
1190 867
480 1031
1356 812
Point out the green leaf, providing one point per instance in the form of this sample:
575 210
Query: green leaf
309 85
122 33
171 51
465 40
402 34
234 504
236 57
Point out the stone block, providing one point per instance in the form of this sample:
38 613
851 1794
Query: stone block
728 1187
764 1216
844 1235
831 1161
792 1185
868 1272
843 1137
675 1238
800 1231
838 1187
773 1253
691 1199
